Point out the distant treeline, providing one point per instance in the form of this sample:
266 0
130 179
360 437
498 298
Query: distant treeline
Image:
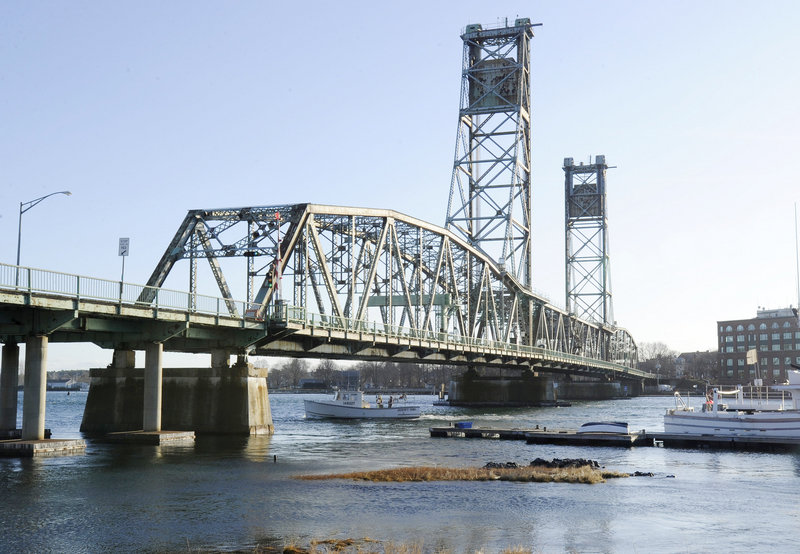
77 375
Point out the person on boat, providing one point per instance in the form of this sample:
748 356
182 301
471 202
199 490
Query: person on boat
379 401
709 404
390 400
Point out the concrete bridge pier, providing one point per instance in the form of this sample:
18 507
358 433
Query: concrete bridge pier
32 441
35 387
220 399
151 419
9 381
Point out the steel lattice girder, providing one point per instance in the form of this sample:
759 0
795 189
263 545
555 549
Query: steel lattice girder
385 267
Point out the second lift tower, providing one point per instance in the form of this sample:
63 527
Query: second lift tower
588 269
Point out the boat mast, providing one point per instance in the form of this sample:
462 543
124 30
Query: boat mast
797 256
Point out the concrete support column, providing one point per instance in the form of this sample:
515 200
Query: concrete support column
9 380
35 384
123 358
152 386
220 358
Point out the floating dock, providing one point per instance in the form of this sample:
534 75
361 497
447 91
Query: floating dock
642 438
676 440
543 436
44 447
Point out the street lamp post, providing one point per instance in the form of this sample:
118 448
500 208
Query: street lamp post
24 207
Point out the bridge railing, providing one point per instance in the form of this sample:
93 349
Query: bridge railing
52 283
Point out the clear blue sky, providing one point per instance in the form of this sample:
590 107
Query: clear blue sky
147 109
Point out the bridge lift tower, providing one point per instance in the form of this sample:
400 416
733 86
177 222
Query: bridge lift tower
588 270
490 191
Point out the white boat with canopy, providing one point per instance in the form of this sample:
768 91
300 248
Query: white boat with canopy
756 416
350 404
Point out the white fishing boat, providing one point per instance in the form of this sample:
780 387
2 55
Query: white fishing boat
350 404
743 417
618 427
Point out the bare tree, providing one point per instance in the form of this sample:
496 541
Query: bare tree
325 371
295 370
657 357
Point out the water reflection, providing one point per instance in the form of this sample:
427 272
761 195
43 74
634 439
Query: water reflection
227 493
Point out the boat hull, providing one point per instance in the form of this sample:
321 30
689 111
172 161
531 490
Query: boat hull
619 427
322 409
734 424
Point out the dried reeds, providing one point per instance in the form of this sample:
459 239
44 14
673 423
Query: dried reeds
535 474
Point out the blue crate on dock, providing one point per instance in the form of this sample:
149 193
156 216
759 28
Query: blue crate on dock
463 425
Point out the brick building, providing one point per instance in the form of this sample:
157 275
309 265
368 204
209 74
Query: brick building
774 334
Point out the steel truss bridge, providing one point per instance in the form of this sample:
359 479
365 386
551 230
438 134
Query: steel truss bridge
361 284
372 284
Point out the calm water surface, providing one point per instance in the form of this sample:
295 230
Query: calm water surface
224 493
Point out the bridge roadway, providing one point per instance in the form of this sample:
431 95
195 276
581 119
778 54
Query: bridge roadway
39 306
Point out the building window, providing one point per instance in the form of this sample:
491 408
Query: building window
776 336
763 348
739 328
776 372
787 335
730 373
741 362
740 348
775 326
740 338
729 349
785 324
776 361
776 347
763 326
729 328
797 334
729 363
788 360
751 327
763 336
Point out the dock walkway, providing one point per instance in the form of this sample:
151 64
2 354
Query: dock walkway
542 435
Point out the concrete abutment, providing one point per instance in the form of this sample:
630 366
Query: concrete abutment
211 400
529 389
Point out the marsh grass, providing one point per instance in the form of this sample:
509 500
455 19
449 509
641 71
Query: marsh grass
369 546
529 474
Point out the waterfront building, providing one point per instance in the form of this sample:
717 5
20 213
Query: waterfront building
773 334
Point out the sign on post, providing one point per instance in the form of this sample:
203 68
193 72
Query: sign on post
124 250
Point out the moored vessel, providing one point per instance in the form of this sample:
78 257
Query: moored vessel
350 404
740 418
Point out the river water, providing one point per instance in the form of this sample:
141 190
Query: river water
228 493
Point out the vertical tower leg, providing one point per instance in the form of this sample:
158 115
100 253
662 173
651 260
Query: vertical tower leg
152 387
9 379
35 388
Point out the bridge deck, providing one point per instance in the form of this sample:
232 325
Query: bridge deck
72 308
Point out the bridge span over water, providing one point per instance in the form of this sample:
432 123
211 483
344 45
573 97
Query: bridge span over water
351 283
